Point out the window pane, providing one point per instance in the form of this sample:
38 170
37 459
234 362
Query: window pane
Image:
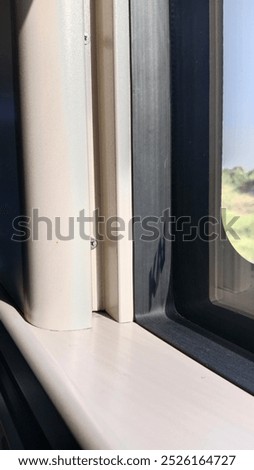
234 252
238 123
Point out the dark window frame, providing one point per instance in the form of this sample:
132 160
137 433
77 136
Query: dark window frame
182 313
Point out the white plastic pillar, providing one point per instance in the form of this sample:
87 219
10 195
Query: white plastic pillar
51 52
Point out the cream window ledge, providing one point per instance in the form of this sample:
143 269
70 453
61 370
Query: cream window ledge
119 387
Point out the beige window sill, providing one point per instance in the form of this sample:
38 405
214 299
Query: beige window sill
119 387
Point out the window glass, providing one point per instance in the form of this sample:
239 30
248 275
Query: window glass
238 124
234 197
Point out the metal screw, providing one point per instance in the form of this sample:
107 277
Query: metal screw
86 38
93 243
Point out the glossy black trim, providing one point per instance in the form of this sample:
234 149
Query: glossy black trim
151 122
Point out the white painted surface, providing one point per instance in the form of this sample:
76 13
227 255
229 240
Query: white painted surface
94 187
52 70
114 151
119 387
122 83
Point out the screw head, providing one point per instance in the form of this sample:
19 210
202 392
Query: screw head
93 243
86 38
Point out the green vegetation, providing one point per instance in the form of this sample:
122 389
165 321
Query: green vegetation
238 200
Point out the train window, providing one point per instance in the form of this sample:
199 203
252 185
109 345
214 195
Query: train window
193 288
193 282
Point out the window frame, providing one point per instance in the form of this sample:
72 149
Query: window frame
219 338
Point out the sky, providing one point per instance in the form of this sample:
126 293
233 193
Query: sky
238 99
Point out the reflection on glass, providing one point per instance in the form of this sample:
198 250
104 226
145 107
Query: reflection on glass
232 157
238 200
238 123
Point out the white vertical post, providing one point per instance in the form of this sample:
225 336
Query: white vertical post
54 140
90 41
122 81
114 130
